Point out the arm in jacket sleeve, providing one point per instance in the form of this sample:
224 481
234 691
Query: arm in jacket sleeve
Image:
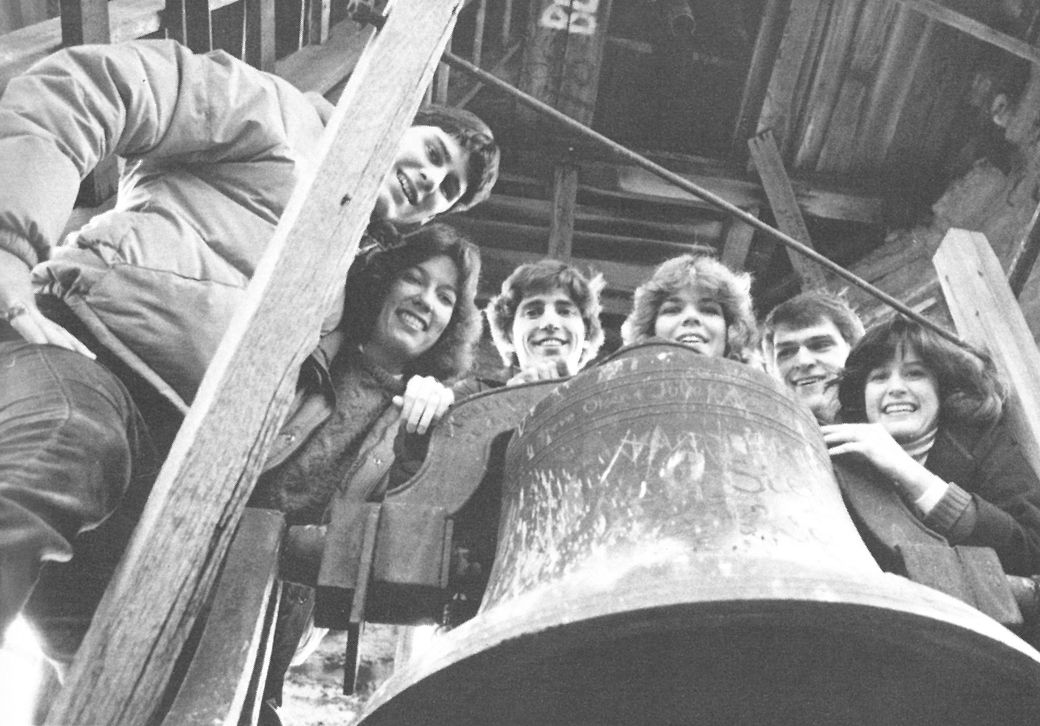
994 502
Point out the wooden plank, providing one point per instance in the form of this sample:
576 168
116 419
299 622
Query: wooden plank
778 104
199 496
128 19
986 314
737 242
984 574
260 34
321 67
215 687
785 207
826 86
818 199
86 21
565 199
320 18
564 53
974 28
858 88
938 567
478 31
188 21
763 58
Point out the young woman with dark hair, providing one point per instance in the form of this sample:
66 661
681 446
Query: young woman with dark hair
929 417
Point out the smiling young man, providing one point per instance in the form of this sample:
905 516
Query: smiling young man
545 321
806 341
106 334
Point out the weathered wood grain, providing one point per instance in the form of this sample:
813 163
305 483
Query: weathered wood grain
987 314
200 493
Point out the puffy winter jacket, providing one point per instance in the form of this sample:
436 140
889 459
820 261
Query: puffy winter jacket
213 149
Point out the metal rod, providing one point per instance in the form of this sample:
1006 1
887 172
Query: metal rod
626 154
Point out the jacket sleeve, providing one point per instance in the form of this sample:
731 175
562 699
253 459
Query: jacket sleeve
1004 507
155 98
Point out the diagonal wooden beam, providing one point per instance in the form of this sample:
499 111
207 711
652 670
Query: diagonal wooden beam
974 28
197 501
780 193
778 106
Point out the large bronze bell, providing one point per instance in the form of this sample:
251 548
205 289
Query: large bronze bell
673 549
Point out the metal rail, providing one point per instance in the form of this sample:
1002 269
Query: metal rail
628 155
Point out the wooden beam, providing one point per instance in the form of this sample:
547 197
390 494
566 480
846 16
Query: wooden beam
150 605
322 67
760 69
188 21
987 315
236 637
564 53
785 207
974 28
260 33
86 21
565 199
778 105
622 279
818 199
318 31
737 243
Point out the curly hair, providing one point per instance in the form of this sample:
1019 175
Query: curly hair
372 274
732 290
970 391
533 278
475 137
812 308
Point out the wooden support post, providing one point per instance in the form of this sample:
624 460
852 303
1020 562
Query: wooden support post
188 21
565 199
318 32
986 314
150 605
478 31
86 21
981 31
737 243
442 82
778 104
780 193
260 33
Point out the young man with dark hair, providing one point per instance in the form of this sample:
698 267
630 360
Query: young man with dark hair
806 341
545 321
104 343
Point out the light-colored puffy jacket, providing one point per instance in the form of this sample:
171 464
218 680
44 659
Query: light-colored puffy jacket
213 149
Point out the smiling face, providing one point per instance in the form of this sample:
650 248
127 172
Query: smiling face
428 177
903 396
693 319
548 327
415 312
810 361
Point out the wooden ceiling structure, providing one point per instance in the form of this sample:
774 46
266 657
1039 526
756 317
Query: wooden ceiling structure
855 111
836 119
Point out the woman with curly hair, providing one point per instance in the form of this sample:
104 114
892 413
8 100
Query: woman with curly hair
699 302
928 416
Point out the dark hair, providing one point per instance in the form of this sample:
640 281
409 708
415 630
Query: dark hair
970 392
475 137
372 273
811 308
544 276
732 290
